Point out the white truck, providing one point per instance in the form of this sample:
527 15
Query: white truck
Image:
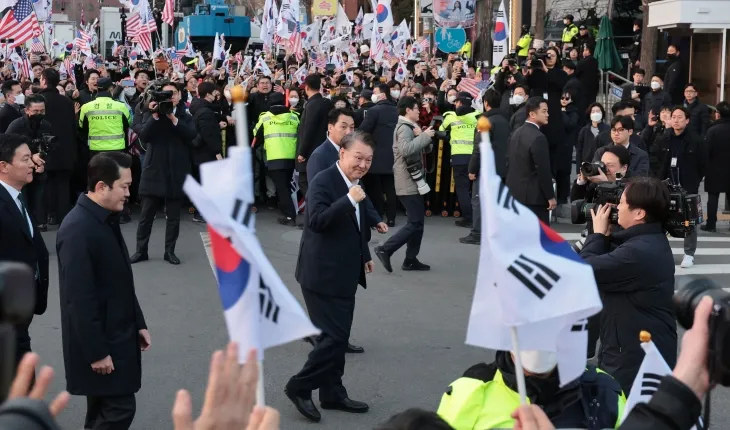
110 25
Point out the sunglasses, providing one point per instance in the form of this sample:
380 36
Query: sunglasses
566 98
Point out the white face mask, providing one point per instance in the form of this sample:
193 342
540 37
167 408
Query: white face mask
20 99
451 99
517 99
375 98
395 94
655 85
293 102
596 116
539 362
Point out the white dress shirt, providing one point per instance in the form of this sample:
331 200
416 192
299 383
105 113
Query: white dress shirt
15 195
350 185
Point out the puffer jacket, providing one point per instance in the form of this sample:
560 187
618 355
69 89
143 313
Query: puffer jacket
406 150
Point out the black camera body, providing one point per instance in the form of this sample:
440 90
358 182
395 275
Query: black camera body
606 193
164 101
685 211
690 291
539 55
593 169
44 145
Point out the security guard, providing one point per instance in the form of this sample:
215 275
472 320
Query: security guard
458 127
569 32
277 130
523 45
486 395
104 123
465 50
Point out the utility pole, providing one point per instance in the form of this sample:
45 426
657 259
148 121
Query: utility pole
539 20
649 39
484 18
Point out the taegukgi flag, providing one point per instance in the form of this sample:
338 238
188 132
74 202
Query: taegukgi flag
529 278
260 311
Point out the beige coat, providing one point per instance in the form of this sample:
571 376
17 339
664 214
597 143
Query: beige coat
406 146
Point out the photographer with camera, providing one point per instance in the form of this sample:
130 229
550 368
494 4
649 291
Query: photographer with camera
613 166
683 160
634 271
169 132
622 128
40 133
410 185
658 125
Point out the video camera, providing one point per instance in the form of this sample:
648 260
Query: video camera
685 210
539 55
689 293
164 101
44 144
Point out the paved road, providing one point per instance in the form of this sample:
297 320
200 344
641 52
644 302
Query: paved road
412 326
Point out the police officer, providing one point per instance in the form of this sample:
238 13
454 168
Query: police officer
485 396
277 131
104 123
570 32
523 44
458 127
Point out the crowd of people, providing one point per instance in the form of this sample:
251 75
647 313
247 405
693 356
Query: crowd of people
88 151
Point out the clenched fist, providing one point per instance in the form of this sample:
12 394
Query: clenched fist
357 193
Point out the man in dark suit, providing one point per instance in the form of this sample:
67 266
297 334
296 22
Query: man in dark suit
333 260
528 175
102 326
20 238
14 100
587 73
312 127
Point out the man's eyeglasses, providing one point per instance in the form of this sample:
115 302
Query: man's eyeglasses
618 130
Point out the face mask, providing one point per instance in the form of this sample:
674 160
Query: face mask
395 94
517 99
596 116
37 118
20 99
375 98
655 85
293 102
539 362
671 57
451 99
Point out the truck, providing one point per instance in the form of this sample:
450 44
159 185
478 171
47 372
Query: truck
110 29
64 31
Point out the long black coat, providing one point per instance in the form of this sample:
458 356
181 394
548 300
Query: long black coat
167 162
674 81
717 179
634 270
380 123
62 117
312 128
499 137
587 73
100 314
333 252
692 160
528 166
8 114
206 118
550 83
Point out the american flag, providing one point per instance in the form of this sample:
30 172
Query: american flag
140 29
423 44
25 70
69 67
168 16
472 86
82 40
20 24
36 46
296 42
176 60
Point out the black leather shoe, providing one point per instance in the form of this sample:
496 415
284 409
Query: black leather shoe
391 223
304 406
415 265
354 349
171 258
384 258
310 340
471 239
347 405
466 223
285 220
138 256
707 228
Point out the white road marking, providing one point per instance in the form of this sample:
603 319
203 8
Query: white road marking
576 236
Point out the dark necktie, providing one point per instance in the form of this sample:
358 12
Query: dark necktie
24 212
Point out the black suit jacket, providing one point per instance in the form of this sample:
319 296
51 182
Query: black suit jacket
528 172
18 245
8 114
312 128
326 156
333 251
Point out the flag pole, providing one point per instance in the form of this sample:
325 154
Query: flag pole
519 373
260 393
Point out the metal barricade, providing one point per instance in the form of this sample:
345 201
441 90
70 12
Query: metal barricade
611 91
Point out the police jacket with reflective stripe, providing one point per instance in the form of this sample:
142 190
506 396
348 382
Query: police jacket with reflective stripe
460 126
104 122
277 130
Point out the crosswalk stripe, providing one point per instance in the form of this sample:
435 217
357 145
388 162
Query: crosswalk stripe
704 269
577 236
704 251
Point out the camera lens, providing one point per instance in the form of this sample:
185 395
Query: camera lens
690 291
577 212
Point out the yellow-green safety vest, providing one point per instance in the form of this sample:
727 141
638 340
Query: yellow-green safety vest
106 123
280 135
569 33
524 45
475 404
461 132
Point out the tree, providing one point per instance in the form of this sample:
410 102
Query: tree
649 39
485 22
540 20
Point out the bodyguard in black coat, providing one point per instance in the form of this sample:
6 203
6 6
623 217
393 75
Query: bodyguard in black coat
312 127
206 117
634 270
20 238
8 114
167 162
62 159
102 325
333 260
587 73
